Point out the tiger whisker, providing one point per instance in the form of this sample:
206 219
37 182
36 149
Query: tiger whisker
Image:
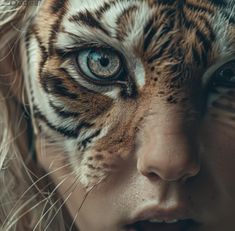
83 201
74 185
33 185
52 206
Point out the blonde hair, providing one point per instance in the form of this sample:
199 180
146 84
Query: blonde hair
27 201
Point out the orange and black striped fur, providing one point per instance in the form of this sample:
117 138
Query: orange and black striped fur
169 54
165 48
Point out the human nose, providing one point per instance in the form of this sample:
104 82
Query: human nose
171 155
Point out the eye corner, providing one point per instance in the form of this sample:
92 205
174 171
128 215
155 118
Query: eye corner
223 76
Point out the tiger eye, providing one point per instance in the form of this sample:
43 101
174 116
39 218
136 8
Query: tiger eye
104 64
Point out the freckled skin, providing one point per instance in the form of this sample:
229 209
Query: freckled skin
168 143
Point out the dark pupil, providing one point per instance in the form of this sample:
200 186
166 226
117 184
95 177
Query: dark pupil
104 61
227 74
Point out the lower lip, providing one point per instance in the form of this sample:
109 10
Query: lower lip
147 226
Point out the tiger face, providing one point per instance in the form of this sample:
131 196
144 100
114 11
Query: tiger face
139 94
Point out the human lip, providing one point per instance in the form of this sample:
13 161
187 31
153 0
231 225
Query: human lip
155 218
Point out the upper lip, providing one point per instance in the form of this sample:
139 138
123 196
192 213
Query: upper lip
162 214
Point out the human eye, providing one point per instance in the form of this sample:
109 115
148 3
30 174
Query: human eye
224 76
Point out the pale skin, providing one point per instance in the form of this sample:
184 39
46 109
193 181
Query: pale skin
154 177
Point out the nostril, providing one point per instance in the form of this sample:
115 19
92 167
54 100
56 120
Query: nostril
181 169
193 171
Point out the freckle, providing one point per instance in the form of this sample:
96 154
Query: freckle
91 166
120 140
171 99
105 166
90 158
161 92
99 157
152 69
155 79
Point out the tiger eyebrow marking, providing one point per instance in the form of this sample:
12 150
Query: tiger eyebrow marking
88 19
149 31
159 53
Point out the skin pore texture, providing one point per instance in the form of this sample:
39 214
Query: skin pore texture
154 142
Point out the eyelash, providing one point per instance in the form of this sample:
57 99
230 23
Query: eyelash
224 76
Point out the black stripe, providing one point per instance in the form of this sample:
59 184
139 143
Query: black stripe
57 6
64 131
164 46
43 49
62 113
53 85
228 17
203 39
99 13
219 3
89 138
55 27
193 7
27 43
196 56
166 2
210 30
149 31
121 31
190 23
88 19
206 46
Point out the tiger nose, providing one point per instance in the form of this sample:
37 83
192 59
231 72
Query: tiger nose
171 157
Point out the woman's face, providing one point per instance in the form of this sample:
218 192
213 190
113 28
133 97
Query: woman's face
162 182
137 125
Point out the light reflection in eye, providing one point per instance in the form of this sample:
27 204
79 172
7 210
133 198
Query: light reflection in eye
99 64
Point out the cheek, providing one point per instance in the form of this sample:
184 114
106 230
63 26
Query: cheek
220 131
219 153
